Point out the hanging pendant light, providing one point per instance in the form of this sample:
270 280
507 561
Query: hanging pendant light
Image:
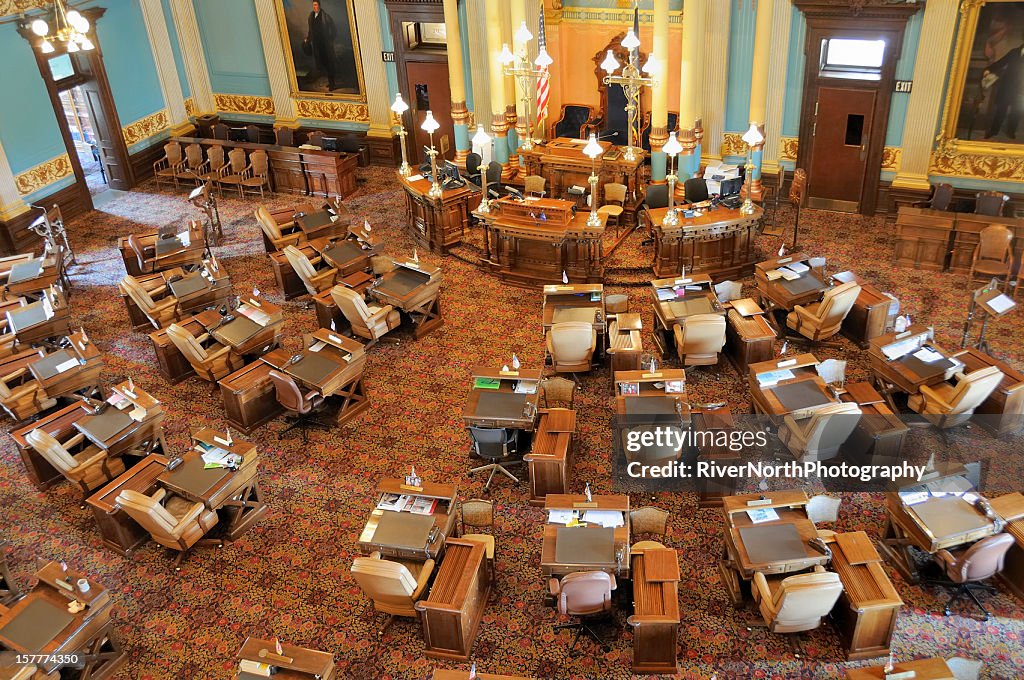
70 28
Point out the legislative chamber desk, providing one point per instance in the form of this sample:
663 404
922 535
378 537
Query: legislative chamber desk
119 531
438 223
938 240
294 663
550 460
41 320
537 240
69 370
505 399
712 489
348 255
646 400
749 337
655 618
249 397
1012 575
788 387
563 164
719 243
904 373
294 170
404 535
451 613
415 289
193 291
32 276
165 249
40 623
923 669
677 298
1002 412
879 434
873 312
566 550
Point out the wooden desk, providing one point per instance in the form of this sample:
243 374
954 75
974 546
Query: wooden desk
451 613
900 375
749 337
216 293
82 378
415 289
879 435
89 634
922 238
188 257
737 567
574 302
44 273
120 532
536 241
872 314
550 460
779 293
675 299
249 397
9 590
646 398
326 222
438 223
517 411
625 346
925 669
865 614
1011 508
655 618
766 402
444 520
1002 412
328 315
347 255
301 663
711 491
719 243
40 320
549 564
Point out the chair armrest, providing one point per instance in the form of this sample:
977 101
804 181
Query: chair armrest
203 338
93 459
160 494
931 395
217 354
324 279
165 303
760 589
159 290
16 374
554 586
803 312
421 584
191 516
288 240
946 558
74 441
23 390
378 314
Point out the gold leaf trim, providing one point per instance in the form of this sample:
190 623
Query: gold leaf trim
190 107
733 145
44 174
146 127
18 6
892 156
354 112
243 103
948 160
789 147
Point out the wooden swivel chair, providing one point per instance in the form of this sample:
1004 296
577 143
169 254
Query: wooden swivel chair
367 321
146 256
304 406
173 522
966 569
316 281
614 199
571 345
257 174
161 311
193 166
946 405
699 339
86 465
821 320
393 587
22 397
210 359
165 170
990 203
993 256
498 447
820 436
586 595
796 603
533 185
276 234
234 172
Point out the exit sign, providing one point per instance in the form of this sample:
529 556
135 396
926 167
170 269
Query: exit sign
904 85
387 56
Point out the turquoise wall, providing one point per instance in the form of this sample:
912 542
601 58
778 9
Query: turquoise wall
794 75
230 33
904 71
388 44
179 63
741 65
129 61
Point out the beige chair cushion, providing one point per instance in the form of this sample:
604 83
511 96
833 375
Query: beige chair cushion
700 338
796 603
571 345
820 436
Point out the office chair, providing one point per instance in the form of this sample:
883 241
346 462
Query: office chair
478 513
699 339
558 392
304 406
494 179
173 522
656 197
571 345
821 320
966 569
990 203
965 669
822 508
316 281
533 185
796 603
648 521
367 321
586 595
820 436
146 256
727 291
161 311
394 588
22 397
941 198
276 234
84 464
473 171
695 190
498 447
211 362
945 405
993 256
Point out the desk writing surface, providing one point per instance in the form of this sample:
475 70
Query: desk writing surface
799 395
314 220
569 314
501 404
924 669
191 476
46 367
747 307
103 427
948 516
772 543
585 545
689 307
804 284
189 285
344 251
37 624
403 529
238 330
165 246
402 281
651 405
313 367
25 271
27 316
925 369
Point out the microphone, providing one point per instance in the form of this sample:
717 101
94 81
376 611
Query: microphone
611 134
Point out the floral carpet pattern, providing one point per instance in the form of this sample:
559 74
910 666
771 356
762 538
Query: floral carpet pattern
289 576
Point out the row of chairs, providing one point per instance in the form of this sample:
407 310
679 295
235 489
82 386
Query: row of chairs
242 173
990 203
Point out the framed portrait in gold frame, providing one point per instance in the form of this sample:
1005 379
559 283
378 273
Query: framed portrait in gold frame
321 45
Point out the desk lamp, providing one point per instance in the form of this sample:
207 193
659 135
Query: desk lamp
593 150
430 126
482 140
399 108
671 148
752 137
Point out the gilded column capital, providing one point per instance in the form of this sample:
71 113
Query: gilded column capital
460 114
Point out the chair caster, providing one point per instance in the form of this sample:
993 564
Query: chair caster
948 612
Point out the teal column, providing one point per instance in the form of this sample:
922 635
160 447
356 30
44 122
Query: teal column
658 166
501 151
756 154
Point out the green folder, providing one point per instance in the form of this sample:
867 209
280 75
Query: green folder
486 383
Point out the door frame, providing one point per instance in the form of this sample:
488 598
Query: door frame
877 23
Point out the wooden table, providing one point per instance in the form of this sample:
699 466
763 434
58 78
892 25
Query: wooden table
767 402
451 612
902 375
120 532
415 289
295 663
719 243
924 669
655 618
437 223
675 299
511 409
550 460
443 516
551 566
82 378
187 256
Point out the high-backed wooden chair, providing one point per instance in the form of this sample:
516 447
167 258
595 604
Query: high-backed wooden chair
820 436
821 320
22 397
478 513
945 405
990 203
194 165
86 465
284 136
941 198
166 168
216 161
173 522
278 234
649 522
210 359
159 305
533 185
614 199
234 172
258 174
393 587
315 281
571 346
368 321
558 392
993 256
699 339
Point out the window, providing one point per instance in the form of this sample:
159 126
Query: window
854 129
61 67
852 58
424 35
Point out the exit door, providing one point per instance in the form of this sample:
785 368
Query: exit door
429 91
113 153
842 133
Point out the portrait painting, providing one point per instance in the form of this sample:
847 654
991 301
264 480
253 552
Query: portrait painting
322 47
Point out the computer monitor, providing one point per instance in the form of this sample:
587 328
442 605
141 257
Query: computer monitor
452 171
329 143
238 134
730 187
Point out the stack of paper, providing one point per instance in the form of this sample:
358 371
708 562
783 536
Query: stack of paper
769 378
609 519
560 516
759 515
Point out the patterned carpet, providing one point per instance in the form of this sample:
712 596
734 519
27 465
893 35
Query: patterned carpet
289 577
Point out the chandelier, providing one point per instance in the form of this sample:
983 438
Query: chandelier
70 28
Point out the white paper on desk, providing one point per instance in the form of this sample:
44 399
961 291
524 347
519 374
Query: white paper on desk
913 497
844 277
927 355
955 485
1001 303
899 349
257 316
317 346
666 294
798 267
392 501
759 515
769 378
414 178
560 516
773 274
789 274
185 239
67 365
609 519
526 387
693 288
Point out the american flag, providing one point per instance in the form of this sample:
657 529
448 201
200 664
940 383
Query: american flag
544 81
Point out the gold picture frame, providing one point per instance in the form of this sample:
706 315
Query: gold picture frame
293 37
967 146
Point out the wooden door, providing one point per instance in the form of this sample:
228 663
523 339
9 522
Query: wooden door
839 158
106 125
429 91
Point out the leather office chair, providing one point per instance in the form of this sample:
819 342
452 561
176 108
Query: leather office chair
211 361
166 169
393 587
558 392
796 603
533 185
278 234
302 405
966 569
473 170
234 172
823 509
494 185
699 339
22 397
586 595
284 136
820 436
945 405
498 447
146 256
941 198
990 203
160 312
367 321
648 521
695 190
315 281
478 513
727 291
571 346
656 197
993 256
257 174
821 320
614 199
86 465
216 159
173 522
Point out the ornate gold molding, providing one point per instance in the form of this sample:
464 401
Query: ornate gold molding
44 174
789 150
329 109
152 124
190 107
949 160
8 7
243 103
891 158
733 145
